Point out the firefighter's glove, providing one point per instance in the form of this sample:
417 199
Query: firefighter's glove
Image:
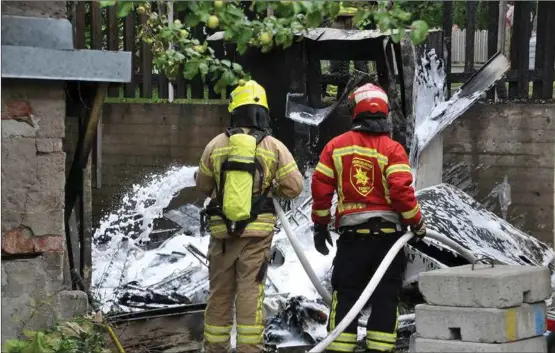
321 235
419 229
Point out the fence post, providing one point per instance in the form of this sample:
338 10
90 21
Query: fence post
545 50
447 37
493 19
520 49
471 7
170 20
80 25
112 36
146 66
181 84
129 45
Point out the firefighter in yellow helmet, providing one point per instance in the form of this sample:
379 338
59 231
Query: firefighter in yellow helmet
241 170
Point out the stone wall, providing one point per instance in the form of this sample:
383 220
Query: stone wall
33 241
516 141
141 139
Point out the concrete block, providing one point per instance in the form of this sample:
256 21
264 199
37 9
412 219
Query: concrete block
484 286
19 164
22 241
47 145
51 169
29 292
41 104
536 345
72 303
14 128
45 223
481 325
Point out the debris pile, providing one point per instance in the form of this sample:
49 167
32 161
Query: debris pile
129 276
145 256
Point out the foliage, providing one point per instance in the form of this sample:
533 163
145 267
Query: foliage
81 335
460 17
429 11
173 45
432 13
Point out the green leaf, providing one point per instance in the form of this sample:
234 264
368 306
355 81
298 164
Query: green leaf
107 3
226 63
261 6
314 19
397 35
203 68
192 19
334 8
419 30
14 346
124 8
237 68
404 16
191 69
241 48
29 333
179 56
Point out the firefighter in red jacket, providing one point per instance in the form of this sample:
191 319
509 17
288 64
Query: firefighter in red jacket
376 203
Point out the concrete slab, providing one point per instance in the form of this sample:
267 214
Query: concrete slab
536 345
66 65
481 325
37 32
502 286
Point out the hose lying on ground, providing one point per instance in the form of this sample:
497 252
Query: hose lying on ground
431 234
304 261
467 255
361 302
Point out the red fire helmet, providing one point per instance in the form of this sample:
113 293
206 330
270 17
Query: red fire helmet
371 99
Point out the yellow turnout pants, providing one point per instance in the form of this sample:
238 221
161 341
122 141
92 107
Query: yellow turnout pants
237 275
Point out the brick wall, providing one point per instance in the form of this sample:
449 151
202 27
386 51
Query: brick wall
140 139
512 140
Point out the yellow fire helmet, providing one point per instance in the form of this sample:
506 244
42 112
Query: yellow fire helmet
250 93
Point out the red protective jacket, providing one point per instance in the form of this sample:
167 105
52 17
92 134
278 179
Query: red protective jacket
369 173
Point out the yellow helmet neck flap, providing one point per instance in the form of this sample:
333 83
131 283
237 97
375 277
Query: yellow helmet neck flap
250 93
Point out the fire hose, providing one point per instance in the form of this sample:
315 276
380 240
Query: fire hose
304 261
365 296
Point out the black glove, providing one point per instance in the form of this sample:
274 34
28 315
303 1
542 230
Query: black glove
419 230
321 235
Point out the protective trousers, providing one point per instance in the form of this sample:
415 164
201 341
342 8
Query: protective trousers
357 259
237 272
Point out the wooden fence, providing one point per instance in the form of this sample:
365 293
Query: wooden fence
458 45
520 76
100 28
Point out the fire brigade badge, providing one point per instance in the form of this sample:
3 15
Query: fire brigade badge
362 176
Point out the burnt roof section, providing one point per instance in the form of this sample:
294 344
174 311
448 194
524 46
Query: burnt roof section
42 48
324 34
339 44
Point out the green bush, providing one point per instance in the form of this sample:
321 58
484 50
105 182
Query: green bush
80 335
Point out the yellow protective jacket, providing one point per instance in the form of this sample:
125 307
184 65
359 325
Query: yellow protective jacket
278 164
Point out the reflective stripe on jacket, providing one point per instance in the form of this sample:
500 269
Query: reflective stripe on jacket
278 164
370 172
